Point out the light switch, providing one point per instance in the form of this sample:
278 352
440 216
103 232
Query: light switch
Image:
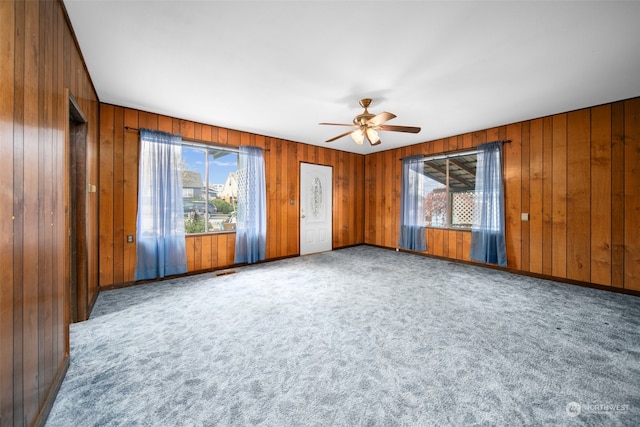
524 216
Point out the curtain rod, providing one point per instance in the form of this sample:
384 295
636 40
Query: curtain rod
232 148
456 153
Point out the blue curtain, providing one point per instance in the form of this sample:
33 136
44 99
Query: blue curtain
251 226
412 225
160 247
487 232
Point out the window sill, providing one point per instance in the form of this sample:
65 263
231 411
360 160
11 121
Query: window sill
210 233
448 228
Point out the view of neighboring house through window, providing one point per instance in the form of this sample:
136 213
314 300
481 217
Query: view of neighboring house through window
449 185
209 188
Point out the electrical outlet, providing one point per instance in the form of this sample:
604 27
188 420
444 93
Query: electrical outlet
524 216
129 238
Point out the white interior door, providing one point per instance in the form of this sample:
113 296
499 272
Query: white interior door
316 198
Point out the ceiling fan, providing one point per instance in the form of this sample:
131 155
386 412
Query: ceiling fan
367 125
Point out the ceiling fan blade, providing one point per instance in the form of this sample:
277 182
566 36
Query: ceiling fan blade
380 118
339 136
374 143
338 124
409 129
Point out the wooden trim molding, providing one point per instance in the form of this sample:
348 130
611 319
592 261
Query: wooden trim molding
52 393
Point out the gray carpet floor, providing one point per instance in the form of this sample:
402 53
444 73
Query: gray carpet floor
361 336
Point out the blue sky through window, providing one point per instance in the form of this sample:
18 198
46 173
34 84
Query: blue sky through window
219 168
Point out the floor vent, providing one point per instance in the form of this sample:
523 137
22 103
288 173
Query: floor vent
224 272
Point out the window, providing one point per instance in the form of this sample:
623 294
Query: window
209 188
450 183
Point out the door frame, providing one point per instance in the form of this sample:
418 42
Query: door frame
76 210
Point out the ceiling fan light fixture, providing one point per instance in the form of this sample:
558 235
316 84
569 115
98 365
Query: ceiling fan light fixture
358 136
372 136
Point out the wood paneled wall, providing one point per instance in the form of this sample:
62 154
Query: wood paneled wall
39 59
577 174
119 180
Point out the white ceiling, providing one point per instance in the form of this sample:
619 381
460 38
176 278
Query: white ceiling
278 68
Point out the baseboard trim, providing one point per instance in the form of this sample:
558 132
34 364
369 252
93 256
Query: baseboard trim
477 264
521 273
192 273
92 303
53 393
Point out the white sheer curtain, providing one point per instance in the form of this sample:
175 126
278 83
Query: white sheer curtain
487 232
412 223
160 247
251 226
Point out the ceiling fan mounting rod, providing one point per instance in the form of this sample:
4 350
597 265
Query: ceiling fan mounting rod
361 119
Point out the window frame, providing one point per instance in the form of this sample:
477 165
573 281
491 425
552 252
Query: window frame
448 193
207 201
